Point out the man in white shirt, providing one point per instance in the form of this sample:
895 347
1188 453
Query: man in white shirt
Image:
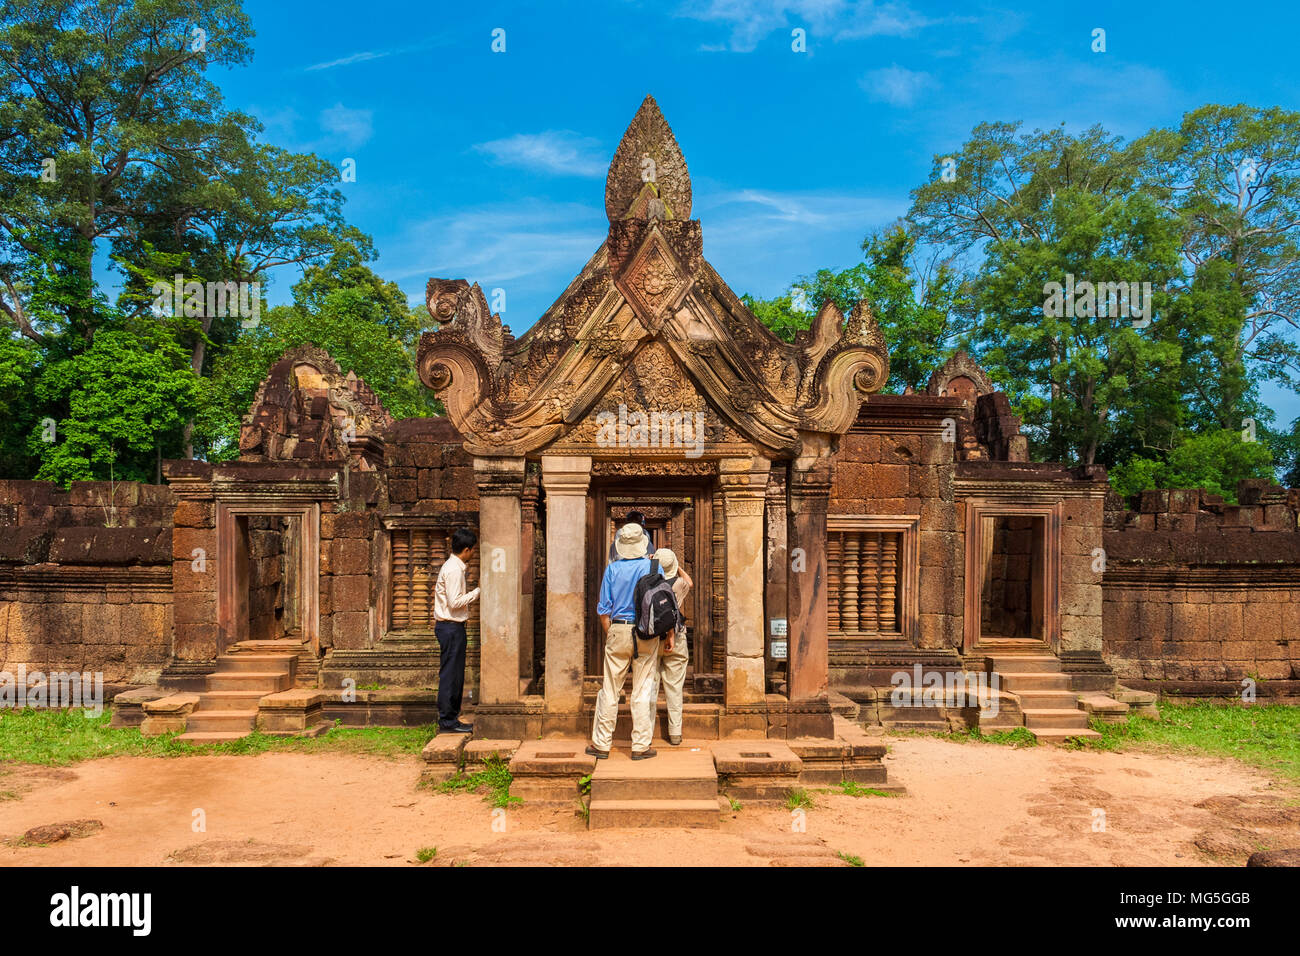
450 612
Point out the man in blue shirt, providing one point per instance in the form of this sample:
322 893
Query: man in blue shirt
617 617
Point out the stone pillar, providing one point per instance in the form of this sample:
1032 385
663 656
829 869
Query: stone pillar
565 480
527 575
810 489
500 484
743 484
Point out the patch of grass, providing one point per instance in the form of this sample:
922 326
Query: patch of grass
60 737
8 795
799 799
736 806
372 687
494 778
1015 737
584 810
1266 736
850 859
584 785
854 789
426 853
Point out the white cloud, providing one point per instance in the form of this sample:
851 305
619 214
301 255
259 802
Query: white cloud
752 20
760 240
353 127
348 60
559 152
365 56
895 85
536 245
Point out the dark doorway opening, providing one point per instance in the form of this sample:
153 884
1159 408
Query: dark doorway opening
1011 598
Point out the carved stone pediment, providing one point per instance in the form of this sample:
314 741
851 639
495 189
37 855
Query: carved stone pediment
961 376
654 282
307 410
647 300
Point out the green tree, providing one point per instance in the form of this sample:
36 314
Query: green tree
127 397
98 99
1231 174
344 308
1214 460
919 304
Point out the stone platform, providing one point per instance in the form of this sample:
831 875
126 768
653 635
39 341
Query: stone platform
686 785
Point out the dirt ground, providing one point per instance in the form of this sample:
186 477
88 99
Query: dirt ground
972 804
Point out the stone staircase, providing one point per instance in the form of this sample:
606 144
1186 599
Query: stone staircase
1051 709
677 788
247 672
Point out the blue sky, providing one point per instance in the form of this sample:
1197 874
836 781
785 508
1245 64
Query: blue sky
490 166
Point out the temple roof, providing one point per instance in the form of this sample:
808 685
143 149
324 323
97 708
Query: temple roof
646 308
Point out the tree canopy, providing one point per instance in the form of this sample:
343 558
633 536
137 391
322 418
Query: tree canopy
1131 298
115 143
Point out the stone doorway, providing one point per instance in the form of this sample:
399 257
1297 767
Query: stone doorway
268 561
679 515
1012 576
268 564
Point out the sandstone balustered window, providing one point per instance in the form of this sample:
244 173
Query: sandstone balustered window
872 574
417 557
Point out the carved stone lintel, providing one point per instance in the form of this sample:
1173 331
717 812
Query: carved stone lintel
667 469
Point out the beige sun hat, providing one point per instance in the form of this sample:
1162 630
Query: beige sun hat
667 562
631 541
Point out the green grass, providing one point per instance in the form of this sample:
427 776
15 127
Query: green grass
736 806
1266 736
854 789
494 777
60 737
799 799
1015 737
426 853
850 859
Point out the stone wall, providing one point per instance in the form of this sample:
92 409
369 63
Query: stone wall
85 578
1200 594
882 468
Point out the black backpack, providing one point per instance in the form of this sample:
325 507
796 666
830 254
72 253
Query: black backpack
657 614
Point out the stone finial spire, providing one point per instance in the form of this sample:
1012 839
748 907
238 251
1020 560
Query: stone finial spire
648 177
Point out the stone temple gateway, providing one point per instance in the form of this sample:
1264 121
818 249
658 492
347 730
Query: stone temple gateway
810 576
850 549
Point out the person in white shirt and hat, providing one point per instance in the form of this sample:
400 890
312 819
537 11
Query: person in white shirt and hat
674 656
617 611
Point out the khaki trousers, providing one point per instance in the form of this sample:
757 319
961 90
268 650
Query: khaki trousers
672 671
618 657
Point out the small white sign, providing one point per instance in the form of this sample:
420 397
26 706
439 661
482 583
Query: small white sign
779 628
779 650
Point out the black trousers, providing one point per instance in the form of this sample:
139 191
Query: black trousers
451 670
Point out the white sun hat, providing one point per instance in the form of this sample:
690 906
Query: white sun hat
632 541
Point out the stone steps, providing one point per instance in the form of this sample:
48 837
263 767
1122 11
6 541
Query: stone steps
1050 709
221 721
672 789
1055 719
1016 681
700 814
247 672
266 681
